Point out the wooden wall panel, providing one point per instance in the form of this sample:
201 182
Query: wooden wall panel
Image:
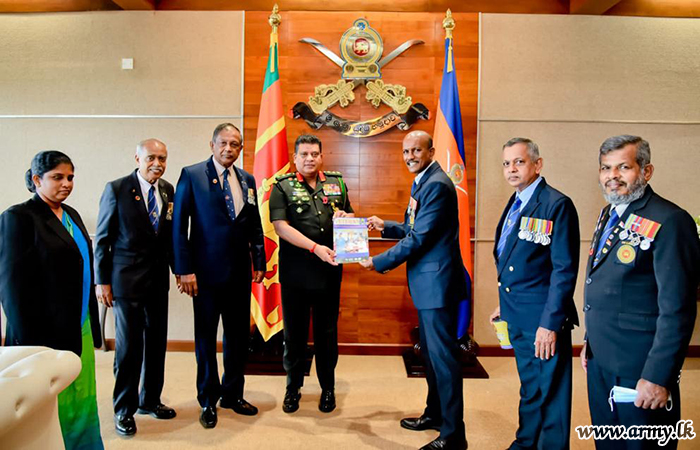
375 309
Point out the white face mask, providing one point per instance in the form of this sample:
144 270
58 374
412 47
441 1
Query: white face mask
619 394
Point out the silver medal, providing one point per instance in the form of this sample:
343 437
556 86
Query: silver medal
645 244
547 240
530 236
522 234
538 238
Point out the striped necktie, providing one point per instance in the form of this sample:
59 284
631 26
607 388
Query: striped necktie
153 208
230 207
512 217
614 218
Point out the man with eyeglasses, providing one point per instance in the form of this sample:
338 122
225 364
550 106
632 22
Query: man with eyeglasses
218 236
302 207
536 251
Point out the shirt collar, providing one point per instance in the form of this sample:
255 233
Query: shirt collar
620 208
526 194
145 185
220 169
420 175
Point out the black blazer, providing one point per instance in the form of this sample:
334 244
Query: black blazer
536 282
41 286
640 306
206 241
129 255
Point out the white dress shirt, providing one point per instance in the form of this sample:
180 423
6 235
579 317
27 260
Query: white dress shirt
145 187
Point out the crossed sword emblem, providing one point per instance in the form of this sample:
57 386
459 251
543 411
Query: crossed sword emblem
342 92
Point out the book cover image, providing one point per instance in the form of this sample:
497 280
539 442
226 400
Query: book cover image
350 239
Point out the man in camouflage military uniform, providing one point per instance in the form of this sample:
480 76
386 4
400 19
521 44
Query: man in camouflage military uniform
302 208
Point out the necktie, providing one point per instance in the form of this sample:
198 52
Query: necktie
153 208
512 217
230 207
614 219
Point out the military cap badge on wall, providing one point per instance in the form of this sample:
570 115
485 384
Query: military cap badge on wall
361 61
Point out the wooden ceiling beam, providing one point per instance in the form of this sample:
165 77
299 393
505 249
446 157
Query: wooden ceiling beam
23 6
136 5
592 7
501 6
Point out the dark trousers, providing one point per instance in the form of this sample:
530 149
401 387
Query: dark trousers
600 382
544 414
298 304
141 339
438 340
231 303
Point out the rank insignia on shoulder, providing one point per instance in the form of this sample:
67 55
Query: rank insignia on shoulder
333 173
284 176
535 230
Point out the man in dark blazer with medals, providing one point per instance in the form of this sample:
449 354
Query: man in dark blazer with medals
133 252
640 296
302 208
218 237
537 254
429 245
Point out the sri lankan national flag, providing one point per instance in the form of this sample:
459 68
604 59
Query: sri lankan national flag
271 159
448 141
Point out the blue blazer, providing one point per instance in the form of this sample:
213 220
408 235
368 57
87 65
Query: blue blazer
214 247
430 248
640 313
536 282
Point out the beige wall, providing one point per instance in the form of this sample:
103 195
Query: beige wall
569 82
62 87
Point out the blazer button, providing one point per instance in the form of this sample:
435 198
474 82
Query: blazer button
586 308
321 229
588 281
510 268
507 289
499 284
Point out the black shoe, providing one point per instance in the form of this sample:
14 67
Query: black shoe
208 417
420 423
327 402
160 411
125 425
239 406
446 444
291 400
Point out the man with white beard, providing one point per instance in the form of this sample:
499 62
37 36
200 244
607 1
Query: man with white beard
640 287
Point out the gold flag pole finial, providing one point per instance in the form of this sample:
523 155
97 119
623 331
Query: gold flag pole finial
448 23
275 21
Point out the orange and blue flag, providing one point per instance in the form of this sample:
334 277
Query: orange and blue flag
448 140
271 160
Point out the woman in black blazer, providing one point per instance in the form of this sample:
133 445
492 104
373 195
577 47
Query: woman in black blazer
46 287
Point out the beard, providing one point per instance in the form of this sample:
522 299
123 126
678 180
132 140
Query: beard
636 191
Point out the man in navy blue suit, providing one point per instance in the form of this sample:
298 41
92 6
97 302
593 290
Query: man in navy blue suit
429 245
217 237
640 297
537 255
133 252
